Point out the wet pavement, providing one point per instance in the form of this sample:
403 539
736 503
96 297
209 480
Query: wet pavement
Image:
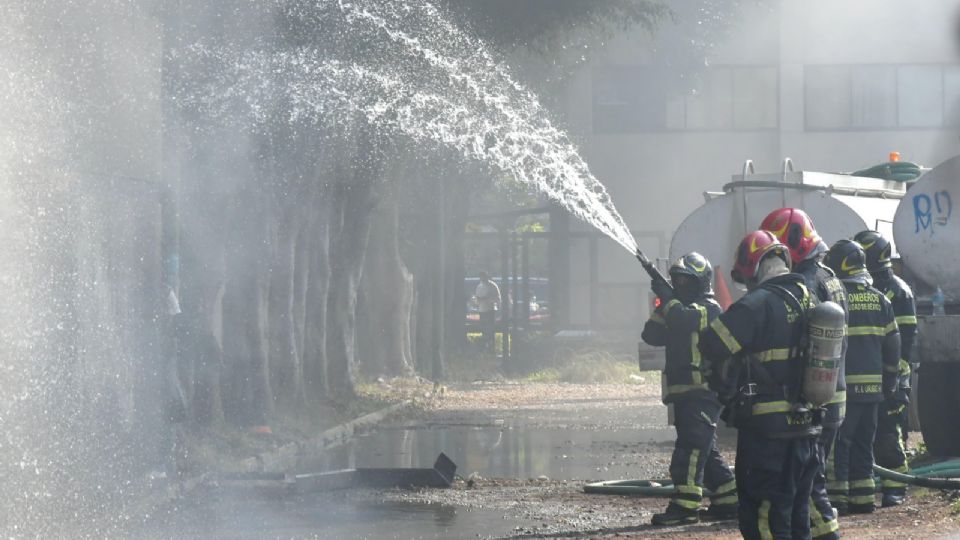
230 515
553 439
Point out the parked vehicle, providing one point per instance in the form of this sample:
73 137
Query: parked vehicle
928 240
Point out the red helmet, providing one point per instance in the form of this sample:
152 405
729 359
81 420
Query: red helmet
793 227
755 247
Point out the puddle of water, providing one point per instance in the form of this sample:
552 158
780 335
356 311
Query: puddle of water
323 516
502 452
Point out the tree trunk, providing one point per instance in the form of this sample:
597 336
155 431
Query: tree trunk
388 298
317 252
286 368
353 204
245 314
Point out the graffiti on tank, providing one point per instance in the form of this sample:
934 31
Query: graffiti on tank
932 212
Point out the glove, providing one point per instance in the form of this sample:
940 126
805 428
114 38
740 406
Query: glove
889 384
662 290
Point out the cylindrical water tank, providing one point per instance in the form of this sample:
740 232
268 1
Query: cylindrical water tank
928 238
839 205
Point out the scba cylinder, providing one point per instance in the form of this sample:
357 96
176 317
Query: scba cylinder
826 325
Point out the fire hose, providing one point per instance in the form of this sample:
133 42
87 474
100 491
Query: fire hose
940 476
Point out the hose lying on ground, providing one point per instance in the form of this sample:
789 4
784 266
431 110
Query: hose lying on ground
937 479
922 481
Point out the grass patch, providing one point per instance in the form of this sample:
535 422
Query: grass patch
592 367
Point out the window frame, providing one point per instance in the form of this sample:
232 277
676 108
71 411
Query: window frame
666 101
849 127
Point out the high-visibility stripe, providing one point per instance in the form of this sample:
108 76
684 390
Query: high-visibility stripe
692 469
763 521
683 388
815 515
671 304
728 499
861 499
688 489
771 407
901 469
822 526
771 355
891 328
824 529
657 318
724 488
838 486
864 483
892 369
690 505
867 331
839 397
704 319
906 319
864 379
725 336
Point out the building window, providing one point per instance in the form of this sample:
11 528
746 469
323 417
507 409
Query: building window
723 98
879 97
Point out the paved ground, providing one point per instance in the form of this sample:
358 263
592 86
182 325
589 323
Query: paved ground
524 452
553 507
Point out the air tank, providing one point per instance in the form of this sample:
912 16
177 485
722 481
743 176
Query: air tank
927 234
840 206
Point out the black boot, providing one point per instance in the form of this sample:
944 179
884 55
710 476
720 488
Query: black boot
676 515
894 497
867 508
721 511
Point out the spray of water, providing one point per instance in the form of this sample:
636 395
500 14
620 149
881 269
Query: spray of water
429 81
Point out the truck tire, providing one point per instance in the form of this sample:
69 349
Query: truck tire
938 405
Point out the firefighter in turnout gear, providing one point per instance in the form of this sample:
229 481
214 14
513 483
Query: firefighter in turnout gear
872 366
683 313
754 359
892 421
794 229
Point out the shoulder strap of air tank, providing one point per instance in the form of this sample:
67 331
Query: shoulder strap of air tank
799 351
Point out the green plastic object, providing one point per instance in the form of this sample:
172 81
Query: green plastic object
945 478
898 171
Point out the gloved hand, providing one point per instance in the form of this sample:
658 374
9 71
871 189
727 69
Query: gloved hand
889 384
662 290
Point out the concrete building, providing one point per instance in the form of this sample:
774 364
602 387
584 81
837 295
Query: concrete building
834 86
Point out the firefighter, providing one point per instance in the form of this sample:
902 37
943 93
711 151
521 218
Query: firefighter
872 365
684 311
892 421
794 228
752 354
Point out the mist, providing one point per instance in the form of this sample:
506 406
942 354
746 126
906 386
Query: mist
230 226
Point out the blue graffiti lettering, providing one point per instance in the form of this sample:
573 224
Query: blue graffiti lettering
921 210
932 212
944 207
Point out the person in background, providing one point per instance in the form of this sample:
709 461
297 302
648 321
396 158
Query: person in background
684 311
871 370
892 422
753 357
793 227
488 299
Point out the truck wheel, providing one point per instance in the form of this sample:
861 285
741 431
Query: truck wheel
938 405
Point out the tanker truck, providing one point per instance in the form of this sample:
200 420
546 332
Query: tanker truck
928 241
840 205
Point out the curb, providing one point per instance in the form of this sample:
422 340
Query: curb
287 456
